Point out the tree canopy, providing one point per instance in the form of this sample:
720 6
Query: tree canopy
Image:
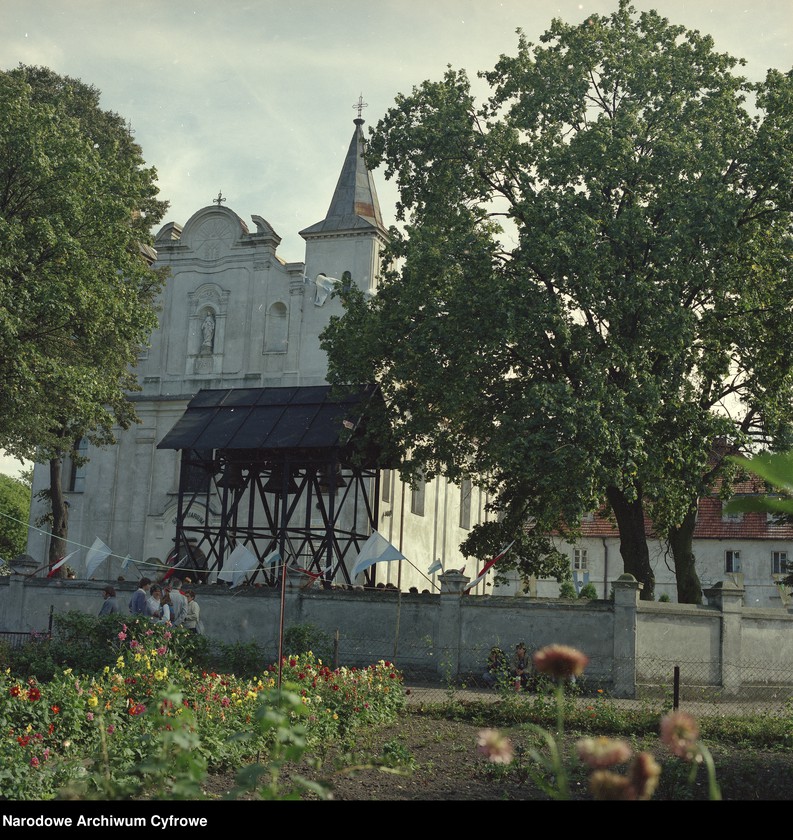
76 292
593 277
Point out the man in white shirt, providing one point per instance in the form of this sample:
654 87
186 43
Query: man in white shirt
178 601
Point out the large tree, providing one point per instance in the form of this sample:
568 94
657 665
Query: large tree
77 293
593 280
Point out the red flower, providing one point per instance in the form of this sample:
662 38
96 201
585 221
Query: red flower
293 663
335 687
23 740
34 694
14 691
55 709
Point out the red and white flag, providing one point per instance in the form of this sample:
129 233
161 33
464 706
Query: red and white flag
55 566
488 566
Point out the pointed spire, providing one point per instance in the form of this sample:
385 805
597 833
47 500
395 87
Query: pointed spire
354 205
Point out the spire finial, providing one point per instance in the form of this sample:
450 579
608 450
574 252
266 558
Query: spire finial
219 200
360 105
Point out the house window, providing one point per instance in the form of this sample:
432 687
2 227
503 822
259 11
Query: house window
731 518
732 561
580 560
465 503
385 485
779 562
74 467
417 497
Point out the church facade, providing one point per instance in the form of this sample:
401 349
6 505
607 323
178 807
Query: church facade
235 314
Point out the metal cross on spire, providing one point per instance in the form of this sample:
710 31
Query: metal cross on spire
219 200
360 105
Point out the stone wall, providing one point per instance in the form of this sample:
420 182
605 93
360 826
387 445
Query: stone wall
631 644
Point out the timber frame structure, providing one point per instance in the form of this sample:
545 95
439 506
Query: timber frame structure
280 470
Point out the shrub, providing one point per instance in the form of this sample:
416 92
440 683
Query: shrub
588 592
305 638
567 590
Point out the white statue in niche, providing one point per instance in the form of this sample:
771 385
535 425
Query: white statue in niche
208 332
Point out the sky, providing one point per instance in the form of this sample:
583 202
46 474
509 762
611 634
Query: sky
255 98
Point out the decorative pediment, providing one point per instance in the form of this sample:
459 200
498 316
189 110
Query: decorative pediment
212 232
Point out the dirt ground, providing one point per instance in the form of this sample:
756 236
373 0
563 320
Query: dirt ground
434 759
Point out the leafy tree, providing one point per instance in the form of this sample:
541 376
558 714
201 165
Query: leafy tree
593 279
77 293
14 510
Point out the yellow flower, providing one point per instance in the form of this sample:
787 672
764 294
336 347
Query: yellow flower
138 657
120 662
93 701
67 672
335 716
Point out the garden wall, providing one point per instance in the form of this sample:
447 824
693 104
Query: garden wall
631 644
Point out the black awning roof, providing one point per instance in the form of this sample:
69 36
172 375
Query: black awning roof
307 418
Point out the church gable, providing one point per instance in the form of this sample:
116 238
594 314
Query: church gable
212 233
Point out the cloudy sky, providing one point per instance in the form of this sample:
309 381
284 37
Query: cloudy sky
255 97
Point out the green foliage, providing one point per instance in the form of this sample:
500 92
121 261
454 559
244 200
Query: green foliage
664 598
245 659
76 293
87 644
567 590
302 638
590 262
588 592
14 510
396 754
150 725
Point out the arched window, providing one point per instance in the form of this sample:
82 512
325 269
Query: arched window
276 329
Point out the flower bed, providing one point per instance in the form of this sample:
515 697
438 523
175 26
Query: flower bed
77 725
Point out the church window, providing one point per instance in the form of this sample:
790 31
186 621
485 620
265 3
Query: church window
732 561
276 329
779 562
465 503
417 497
385 483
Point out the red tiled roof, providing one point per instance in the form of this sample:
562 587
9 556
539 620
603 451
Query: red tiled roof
711 524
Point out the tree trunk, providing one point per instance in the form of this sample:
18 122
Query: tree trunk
680 539
633 539
60 516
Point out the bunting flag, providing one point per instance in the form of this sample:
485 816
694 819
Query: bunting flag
97 554
376 549
240 562
126 561
272 558
487 567
54 568
435 567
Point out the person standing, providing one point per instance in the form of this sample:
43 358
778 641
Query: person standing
178 601
153 605
192 620
521 665
110 603
137 603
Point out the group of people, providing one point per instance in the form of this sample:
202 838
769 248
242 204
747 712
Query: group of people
169 604
499 670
